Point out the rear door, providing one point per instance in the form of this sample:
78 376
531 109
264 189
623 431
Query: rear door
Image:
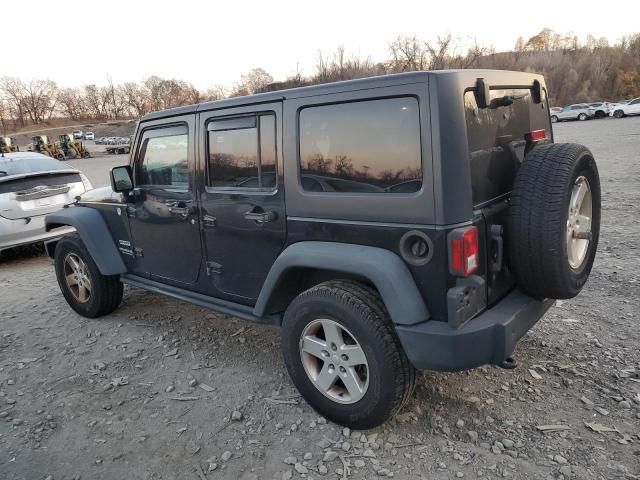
242 197
498 142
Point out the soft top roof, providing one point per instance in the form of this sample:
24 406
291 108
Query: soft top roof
520 78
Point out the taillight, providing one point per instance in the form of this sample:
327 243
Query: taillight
536 135
464 251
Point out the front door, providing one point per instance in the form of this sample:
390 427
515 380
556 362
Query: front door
163 212
242 200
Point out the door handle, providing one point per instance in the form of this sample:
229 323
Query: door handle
181 211
209 221
260 217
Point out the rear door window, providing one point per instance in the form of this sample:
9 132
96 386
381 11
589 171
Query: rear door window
242 152
370 147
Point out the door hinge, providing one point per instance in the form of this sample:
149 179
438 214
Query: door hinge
213 267
496 250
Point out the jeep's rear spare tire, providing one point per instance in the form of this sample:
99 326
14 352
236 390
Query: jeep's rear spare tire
554 220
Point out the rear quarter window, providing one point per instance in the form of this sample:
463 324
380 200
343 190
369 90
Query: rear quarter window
370 146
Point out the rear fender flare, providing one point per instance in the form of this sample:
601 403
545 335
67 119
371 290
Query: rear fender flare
381 267
93 232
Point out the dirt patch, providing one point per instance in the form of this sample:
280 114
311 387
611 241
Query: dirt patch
161 389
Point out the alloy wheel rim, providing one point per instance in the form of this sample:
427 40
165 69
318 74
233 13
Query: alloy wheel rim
334 361
579 221
76 276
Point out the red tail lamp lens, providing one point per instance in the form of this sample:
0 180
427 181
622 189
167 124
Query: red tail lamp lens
464 251
537 135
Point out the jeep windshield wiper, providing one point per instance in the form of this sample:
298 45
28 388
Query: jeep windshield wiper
506 100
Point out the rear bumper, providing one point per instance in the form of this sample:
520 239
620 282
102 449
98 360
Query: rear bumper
24 231
490 338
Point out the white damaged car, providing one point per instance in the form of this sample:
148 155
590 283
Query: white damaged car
31 186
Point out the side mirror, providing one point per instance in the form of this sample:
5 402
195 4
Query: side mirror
121 179
482 93
536 92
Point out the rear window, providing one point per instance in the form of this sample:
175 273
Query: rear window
496 139
21 166
20 184
369 146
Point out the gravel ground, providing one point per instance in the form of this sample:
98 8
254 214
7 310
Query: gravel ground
162 389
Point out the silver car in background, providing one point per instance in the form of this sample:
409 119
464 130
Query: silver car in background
578 111
31 186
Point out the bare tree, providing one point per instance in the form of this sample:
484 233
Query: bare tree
71 103
407 54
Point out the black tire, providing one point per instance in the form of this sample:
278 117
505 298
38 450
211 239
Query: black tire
554 119
359 309
618 113
600 114
538 214
106 290
582 117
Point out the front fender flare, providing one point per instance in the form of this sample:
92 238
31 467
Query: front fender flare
95 235
381 267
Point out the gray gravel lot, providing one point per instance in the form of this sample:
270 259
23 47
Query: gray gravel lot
149 392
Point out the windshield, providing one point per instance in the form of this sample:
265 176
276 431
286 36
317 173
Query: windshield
20 166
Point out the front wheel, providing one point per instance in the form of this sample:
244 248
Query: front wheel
554 119
86 290
582 117
618 114
343 355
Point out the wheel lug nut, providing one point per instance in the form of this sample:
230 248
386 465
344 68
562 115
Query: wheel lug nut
344 357
325 353
334 347
342 370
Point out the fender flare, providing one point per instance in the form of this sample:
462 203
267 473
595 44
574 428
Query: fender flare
381 267
95 235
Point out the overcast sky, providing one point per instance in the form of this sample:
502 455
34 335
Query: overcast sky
214 42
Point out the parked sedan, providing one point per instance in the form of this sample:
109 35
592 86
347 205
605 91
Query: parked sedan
632 107
578 111
31 186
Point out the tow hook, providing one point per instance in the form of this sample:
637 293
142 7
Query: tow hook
508 364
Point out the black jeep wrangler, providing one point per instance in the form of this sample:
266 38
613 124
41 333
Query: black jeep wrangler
423 220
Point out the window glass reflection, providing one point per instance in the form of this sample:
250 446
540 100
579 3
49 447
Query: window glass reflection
369 147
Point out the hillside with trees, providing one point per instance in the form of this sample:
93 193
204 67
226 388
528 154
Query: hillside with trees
574 71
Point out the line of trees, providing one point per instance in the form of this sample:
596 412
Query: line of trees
575 72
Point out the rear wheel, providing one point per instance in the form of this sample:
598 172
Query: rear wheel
86 290
554 119
554 220
343 355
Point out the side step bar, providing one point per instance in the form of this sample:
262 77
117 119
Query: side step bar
222 306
